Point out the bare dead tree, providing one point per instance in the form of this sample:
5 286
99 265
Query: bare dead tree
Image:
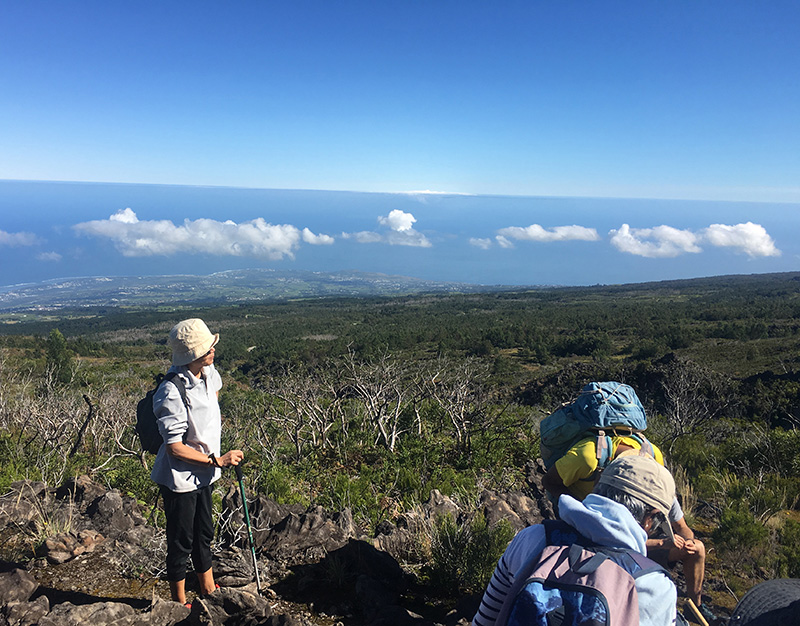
694 397
383 387
460 389
306 405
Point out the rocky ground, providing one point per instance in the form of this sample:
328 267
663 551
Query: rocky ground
81 553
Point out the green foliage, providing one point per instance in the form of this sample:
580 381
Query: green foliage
281 483
14 467
789 559
59 358
464 554
131 478
739 530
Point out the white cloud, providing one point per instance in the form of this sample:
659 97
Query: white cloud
408 238
126 216
752 239
666 241
256 238
17 239
364 236
400 231
503 242
398 220
429 192
658 242
316 240
535 232
478 242
52 257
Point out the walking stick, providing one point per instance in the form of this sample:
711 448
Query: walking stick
697 612
240 478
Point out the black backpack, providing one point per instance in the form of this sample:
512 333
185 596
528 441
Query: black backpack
146 420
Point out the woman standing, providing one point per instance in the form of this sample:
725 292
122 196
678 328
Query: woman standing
189 461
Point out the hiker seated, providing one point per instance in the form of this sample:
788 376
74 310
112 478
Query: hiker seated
685 548
631 499
575 473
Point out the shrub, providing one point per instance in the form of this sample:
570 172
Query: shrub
739 530
789 559
133 479
464 555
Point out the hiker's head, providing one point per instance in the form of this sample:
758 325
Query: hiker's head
191 340
643 486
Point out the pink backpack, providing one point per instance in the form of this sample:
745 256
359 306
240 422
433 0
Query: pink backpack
574 584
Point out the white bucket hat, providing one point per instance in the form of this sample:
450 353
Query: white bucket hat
189 340
641 476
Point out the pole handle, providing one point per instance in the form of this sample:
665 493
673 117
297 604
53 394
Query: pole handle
238 470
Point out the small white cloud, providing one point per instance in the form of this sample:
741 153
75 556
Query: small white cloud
535 232
407 238
503 242
126 216
752 239
316 240
658 242
17 239
255 238
49 257
365 236
398 220
428 192
478 242
400 231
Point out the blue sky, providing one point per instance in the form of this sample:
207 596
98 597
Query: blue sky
508 103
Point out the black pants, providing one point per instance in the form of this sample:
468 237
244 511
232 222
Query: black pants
190 529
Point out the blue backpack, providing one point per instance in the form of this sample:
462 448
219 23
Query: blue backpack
572 582
600 407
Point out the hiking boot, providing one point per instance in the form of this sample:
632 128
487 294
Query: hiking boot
707 614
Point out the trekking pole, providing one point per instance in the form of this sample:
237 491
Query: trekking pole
697 613
240 478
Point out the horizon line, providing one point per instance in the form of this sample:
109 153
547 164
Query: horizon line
408 193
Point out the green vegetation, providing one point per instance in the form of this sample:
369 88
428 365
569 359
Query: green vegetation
371 403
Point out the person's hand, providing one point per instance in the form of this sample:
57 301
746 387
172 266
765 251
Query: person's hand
679 542
231 458
690 546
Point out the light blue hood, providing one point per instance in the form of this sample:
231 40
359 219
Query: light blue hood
605 522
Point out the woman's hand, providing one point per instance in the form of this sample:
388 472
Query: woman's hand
231 458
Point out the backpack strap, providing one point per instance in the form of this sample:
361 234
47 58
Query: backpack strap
631 561
172 377
589 566
647 447
176 380
605 445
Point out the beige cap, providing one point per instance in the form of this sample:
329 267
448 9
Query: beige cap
642 477
189 340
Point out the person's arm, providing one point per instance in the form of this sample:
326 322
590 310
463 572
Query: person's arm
684 537
554 484
529 541
186 453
